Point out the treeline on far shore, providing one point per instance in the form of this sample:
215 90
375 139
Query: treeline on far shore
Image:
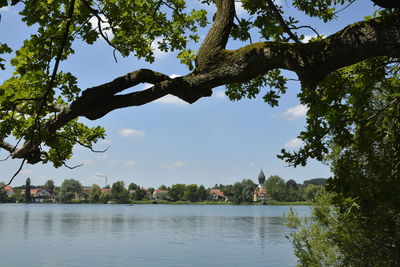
277 191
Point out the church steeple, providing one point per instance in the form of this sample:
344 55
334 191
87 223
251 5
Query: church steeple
261 178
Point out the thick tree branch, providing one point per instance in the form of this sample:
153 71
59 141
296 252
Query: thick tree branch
311 61
218 35
92 99
387 3
10 148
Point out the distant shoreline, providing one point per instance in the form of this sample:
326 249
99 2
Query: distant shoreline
268 203
165 202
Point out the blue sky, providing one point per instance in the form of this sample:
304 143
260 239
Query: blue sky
168 141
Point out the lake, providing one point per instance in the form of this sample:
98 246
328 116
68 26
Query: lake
144 235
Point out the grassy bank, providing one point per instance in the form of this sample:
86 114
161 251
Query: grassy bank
272 203
166 202
180 202
294 203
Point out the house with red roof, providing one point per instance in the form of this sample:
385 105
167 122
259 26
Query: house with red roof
9 190
41 195
106 190
216 195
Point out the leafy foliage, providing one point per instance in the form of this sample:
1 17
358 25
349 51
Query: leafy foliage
70 189
252 88
94 195
358 132
242 192
49 185
4 48
29 98
313 237
3 193
119 193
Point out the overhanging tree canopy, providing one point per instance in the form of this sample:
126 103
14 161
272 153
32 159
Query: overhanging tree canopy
40 105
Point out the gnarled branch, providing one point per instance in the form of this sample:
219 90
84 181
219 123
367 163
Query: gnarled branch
216 66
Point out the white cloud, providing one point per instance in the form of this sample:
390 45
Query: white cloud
104 26
168 99
298 111
307 38
129 133
251 164
220 94
130 163
294 143
103 156
171 165
156 51
171 99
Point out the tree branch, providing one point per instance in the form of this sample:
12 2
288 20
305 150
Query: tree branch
82 144
311 61
218 35
10 148
387 3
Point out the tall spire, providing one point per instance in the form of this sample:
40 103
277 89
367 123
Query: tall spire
261 177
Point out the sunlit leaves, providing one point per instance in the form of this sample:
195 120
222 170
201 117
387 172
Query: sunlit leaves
323 9
33 96
345 109
187 57
4 48
145 25
272 79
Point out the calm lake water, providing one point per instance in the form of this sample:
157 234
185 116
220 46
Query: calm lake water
144 235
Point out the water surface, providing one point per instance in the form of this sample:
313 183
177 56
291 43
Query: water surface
144 235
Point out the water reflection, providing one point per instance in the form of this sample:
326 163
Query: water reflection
70 224
48 223
145 235
3 215
26 224
261 231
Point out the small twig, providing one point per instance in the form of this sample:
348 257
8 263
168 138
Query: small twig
99 21
340 10
80 28
282 21
306 26
156 9
84 145
384 108
63 161
15 174
71 167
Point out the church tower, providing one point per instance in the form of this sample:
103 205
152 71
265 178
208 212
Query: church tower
260 193
261 179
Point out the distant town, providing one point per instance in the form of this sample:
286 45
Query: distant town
274 189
